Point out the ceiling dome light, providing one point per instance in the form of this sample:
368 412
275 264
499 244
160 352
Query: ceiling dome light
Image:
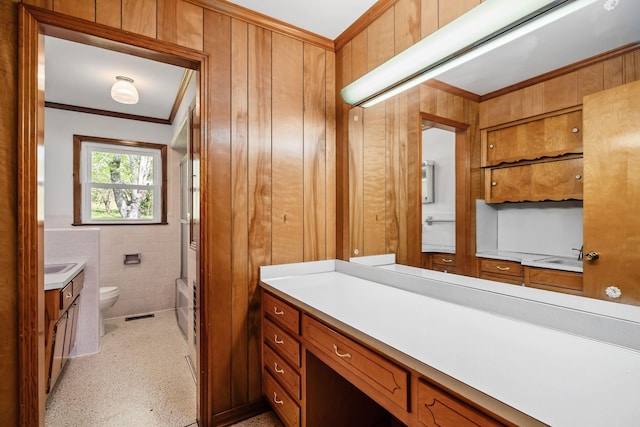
123 91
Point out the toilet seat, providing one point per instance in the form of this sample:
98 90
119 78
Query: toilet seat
108 292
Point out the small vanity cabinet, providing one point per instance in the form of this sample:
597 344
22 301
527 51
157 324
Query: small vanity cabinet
502 271
439 261
61 320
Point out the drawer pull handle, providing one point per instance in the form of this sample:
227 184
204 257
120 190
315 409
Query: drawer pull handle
575 130
503 268
277 312
276 400
343 355
491 145
446 260
277 340
278 370
69 295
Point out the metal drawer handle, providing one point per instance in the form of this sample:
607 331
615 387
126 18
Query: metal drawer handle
276 400
278 370
343 355
69 295
277 340
503 268
277 312
446 260
575 130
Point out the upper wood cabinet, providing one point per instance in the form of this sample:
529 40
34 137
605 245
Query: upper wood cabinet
549 136
535 181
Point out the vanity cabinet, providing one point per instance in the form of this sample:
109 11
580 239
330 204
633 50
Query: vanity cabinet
568 282
281 356
439 261
61 321
532 139
314 374
502 271
536 181
438 408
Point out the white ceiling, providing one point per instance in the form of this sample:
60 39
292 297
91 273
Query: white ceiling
328 18
81 75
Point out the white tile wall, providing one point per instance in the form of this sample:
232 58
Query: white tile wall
61 245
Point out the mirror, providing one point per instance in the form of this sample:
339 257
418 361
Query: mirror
550 49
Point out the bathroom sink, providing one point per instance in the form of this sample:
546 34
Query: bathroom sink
561 261
58 268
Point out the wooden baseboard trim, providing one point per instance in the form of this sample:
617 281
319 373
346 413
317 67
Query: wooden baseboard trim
240 413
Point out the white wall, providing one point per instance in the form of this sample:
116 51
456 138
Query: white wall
149 286
439 145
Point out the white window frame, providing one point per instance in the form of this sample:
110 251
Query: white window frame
89 145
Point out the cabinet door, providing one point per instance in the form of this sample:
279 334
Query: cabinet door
550 180
57 355
612 193
547 137
70 334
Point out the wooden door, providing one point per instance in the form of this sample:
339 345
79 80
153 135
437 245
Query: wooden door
612 192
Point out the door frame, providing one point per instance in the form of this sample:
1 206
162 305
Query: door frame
34 24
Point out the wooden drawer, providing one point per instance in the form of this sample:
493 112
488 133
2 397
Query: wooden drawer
281 313
285 406
494 266
283 343
447 260
67 296
437 408
78 283
534 139
550 180
554 280
286 376
382 380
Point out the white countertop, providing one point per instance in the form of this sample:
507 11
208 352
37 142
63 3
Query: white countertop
60 280
556 377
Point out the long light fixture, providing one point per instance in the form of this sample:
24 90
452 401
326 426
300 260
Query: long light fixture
123 91
485 27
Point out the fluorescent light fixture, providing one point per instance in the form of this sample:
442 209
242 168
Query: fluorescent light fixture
123 91
491 24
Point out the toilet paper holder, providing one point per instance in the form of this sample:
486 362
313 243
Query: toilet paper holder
131 259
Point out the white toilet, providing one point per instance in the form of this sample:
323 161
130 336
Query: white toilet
108 296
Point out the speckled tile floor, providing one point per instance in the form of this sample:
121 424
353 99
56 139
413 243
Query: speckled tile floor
140 378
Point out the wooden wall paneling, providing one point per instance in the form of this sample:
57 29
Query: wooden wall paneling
407 24
83 9
109 12
590 80
241 389
287 150
413 210
380 40
358 61
561 92
470 263
181 23
373 186
331 205
532 100
259 175
450 106
428 99
396 184
428 17
613 72
632 66
356 181
343 76
45 4
140 17
216 197
314 152
190 25
450 10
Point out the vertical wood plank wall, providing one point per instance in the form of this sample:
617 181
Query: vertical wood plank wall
384 201
271 179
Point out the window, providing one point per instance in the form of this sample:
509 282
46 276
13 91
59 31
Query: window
118 182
